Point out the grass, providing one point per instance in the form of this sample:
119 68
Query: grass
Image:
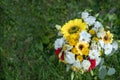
27 34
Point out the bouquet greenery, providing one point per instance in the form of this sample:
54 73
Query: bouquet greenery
83 43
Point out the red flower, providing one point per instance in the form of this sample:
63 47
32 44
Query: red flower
93 63
57 52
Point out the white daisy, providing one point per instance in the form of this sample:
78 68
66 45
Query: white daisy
100 34
84 15
108 49
115 45
77 64
101 43
69 57
59 43
86 64
97 25
98 60
90 20
95 46
93 54
85 36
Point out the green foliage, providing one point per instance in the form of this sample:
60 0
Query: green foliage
102 72
111 71
27 34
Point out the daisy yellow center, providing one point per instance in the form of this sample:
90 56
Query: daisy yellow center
107 38
73 29
92 32
95 39
81 47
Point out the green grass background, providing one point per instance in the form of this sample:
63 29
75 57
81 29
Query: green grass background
27 35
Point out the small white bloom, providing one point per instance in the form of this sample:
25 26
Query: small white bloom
100 34
90 20
98 60
85 36
115 45
101 29
98 27
69 57
101 43
59 43
98 24
108 49
84 15
77 64
58 27
95 46
86 64
93 54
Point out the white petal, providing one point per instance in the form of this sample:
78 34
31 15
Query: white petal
69 57
77 64
108 49
98 60
86 64
115 45
93 54
84 15
90 20
85 36
100 34
101 43
98 24
58 27
59 43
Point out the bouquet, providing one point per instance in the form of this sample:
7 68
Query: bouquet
82 43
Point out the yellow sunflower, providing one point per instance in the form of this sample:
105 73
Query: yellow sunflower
108 37
82 48
73 27
73 39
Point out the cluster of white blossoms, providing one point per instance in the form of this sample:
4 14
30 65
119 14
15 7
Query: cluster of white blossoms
83 42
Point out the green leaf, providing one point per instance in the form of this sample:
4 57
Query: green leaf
111 71
52 58
39 46
112 17
102 61
72 75
68 67
45 39
102 72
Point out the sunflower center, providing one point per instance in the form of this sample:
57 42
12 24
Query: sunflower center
73 29
81 47
105 37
